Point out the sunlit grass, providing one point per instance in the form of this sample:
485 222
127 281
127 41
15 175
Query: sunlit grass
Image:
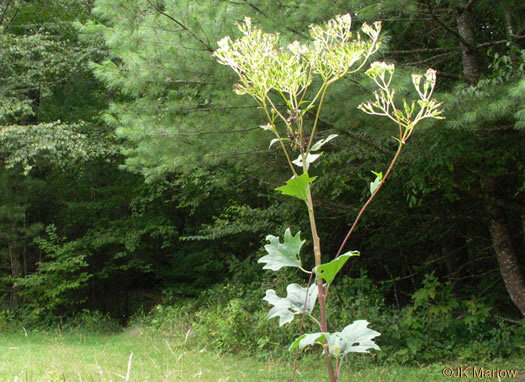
134 355
127 356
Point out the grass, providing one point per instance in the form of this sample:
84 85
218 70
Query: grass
136 355
128 356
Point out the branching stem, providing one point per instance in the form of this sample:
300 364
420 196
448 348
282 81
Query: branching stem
320 287
394 160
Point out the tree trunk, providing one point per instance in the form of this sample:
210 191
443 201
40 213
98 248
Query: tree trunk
15 272
469 55
502 244
499 233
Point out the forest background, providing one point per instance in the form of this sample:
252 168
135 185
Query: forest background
133 177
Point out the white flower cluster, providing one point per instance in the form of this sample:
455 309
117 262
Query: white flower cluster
334 54
428 85
381 73
251 57
384 104
262 65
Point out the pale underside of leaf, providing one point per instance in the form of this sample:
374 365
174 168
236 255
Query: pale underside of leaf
355 338
287 307
277 140
320 143
310 158
284 254
374 185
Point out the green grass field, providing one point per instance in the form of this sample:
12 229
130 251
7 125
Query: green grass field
136 356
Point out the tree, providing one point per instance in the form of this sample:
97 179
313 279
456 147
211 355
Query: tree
485 98
170 116
39 58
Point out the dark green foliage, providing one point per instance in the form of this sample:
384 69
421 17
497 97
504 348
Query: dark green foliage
91 322
8 321
56 281
227 318
18 228
439 326
436 327
161 107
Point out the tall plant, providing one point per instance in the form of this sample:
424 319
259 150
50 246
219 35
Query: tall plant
275 76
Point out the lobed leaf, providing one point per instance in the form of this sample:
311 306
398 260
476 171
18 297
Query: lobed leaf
297 186
284 254
355 338
287 307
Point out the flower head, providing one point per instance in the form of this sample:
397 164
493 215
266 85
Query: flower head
428 85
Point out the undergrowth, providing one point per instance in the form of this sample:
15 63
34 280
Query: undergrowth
437 326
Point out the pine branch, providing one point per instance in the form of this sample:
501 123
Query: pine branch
469 4
217 108
430 58
201 133
422 50
208 47
500 41
4 11
366 142
359 139
227 154
259 10
448 75
163 29
452 49
447 28
193 82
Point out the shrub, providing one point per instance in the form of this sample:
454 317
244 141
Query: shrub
91 321
436 327
7 320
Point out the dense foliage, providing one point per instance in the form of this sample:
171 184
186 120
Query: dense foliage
132 176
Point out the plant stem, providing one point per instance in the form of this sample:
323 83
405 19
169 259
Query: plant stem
317 116
274 129
301 326
337 366
400 147
321 296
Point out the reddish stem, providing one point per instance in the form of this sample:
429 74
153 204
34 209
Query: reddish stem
301 326
371 198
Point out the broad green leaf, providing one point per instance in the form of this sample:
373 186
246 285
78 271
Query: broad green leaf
284 254
308 339
297 186
329 270
309 159
285 308
378 174
320 143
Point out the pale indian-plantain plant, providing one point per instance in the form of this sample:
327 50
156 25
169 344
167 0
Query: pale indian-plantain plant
269 72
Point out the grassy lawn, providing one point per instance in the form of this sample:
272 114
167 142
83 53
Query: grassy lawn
134 356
